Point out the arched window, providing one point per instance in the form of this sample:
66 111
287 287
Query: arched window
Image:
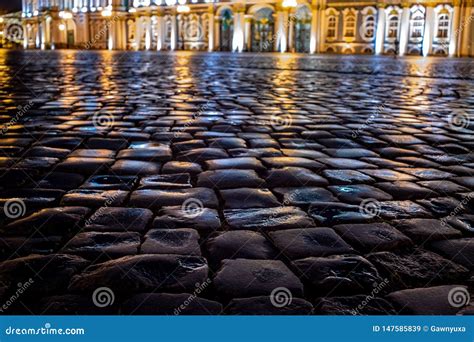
349 26
393 22
443 26
369 27
140 3
331 28
417 24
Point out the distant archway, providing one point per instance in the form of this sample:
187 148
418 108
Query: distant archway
226 29
302 29
263 30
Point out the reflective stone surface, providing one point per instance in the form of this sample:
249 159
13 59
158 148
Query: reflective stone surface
238 180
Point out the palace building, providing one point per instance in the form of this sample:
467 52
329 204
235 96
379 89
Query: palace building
444 27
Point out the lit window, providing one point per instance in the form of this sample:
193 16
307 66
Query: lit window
349 31
369 28
443 26
331 32
392 27
417 24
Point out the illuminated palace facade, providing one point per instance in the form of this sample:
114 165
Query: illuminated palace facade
444 27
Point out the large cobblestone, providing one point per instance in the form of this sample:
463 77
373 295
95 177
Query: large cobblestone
235 180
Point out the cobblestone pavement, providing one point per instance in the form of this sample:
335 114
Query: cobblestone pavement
147 183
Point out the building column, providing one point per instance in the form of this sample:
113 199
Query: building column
174 32
291 28
38 38
217 33
124 34
145 24
43 35
210 34
119 33
242 27
238 38
280 23
52 34
429 28
321 30
111 29
45 41
455 29
466 25
404 28
25 36
248 32
314 39
160 39
380 33
138 32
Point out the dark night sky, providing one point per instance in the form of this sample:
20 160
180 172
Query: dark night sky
10 5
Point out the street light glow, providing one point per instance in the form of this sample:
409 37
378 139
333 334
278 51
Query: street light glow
289 3
183 9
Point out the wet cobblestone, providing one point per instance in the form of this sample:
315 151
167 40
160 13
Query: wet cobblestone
205 183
